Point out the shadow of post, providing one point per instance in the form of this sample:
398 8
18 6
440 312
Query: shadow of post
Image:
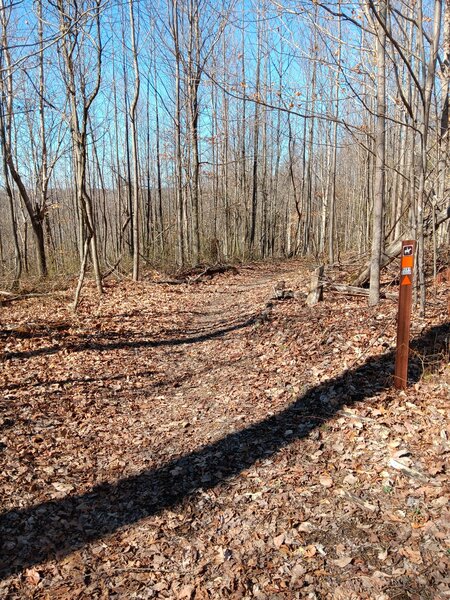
32 535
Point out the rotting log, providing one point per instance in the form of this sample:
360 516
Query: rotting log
394 249
213 270
197 274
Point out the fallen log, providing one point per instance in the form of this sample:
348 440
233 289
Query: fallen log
318 284
211 271
394 249
197 274
9 297
350 290
169 282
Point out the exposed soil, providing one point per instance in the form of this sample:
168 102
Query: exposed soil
198 441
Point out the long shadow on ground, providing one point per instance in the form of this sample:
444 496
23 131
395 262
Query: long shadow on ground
35 534
107 341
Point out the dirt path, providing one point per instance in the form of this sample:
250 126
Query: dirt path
244 294
168 443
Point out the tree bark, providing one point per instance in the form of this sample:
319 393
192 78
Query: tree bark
380 153
135 155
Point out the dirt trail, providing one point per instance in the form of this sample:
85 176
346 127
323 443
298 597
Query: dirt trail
244 294
143 352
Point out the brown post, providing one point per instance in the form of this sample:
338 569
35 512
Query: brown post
404 313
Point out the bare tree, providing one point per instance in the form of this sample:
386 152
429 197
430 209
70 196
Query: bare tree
35 210
380 158
283 139
78 23
134 136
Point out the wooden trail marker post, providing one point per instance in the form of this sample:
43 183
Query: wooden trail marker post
404 313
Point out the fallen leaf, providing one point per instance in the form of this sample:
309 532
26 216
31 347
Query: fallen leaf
413 555
62 487
309 551
350 479
440 502
343 562
326 481
382 555
186 592
297 571
32 576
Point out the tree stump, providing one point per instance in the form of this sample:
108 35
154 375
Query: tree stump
315 294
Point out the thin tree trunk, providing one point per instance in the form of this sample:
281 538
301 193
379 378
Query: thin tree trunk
380 152
135 151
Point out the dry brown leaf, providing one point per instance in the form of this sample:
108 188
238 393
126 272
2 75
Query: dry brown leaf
186 592
350 479
279 540
309 551
382 555
413 555
297 571
62 487
32 576
326 481
343 562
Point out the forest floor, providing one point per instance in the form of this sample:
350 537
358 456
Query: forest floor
190 442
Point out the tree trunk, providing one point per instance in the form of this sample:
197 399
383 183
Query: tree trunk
135 153
380 152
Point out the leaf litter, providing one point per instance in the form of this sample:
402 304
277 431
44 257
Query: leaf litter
168 442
